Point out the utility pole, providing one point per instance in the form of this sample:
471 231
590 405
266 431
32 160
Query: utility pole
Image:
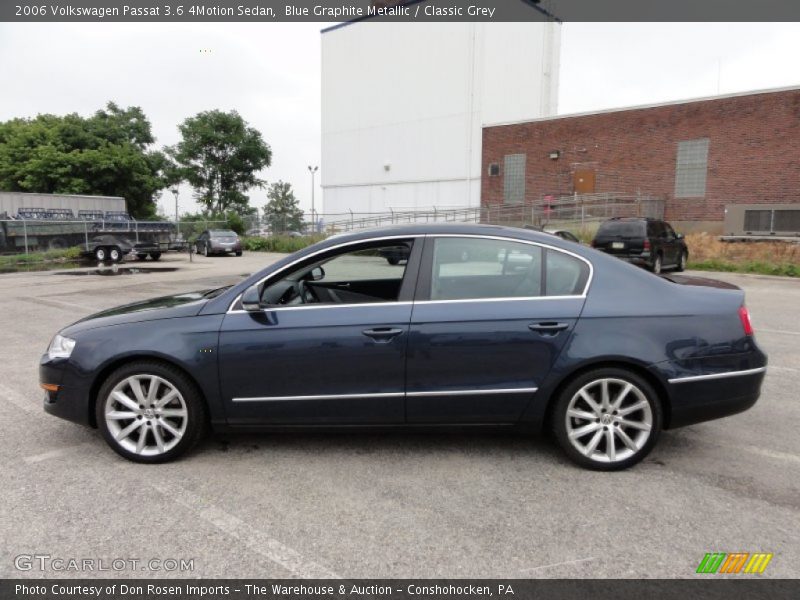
313 171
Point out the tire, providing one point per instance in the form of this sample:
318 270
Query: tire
393 261
185 416
239 253
602 446
682 261
115 254
656 266
141 256
155 255
205 250
100 253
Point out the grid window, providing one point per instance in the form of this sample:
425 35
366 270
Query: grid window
690 168
514 179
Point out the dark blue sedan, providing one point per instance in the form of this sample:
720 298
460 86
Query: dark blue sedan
472 326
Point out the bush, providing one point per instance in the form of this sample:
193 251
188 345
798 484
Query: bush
279 243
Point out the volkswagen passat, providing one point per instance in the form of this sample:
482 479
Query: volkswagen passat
478 326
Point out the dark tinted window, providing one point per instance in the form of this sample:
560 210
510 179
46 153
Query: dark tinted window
621 228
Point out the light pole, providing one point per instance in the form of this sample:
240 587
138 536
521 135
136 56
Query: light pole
175 192
313 171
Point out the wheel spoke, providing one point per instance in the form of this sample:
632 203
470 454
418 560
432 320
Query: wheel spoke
592 445
152 389
621 396
124 400
179 413
158 438
611 445
168 397
167 426
118 415
626 439
142 438
581 414
632 408
136 386
604 394
590 401
634 424
128 430
581 431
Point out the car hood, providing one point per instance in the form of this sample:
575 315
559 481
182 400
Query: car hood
164 307
700 281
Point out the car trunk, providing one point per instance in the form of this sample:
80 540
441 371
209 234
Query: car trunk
621 238
699 281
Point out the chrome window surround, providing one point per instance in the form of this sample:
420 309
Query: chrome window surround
472 392
414 237
717 375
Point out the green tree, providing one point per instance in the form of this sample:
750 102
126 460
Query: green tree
106 154
282 212
220 156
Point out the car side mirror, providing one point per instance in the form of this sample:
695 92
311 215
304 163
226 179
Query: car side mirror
316 274
678 236
251 299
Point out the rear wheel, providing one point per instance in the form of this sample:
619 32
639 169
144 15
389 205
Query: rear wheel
115 254
155 255
100 254
150 412
141 256
656 266
239 253
607 419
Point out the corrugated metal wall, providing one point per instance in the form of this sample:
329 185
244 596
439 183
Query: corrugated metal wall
11 202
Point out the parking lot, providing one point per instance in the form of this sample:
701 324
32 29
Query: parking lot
386 505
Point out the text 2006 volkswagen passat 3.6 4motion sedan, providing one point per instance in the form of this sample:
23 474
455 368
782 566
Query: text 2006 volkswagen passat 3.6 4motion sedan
467 325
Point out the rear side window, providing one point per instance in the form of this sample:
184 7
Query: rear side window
621 229
476 268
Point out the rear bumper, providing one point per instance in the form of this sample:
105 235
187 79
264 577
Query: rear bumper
703 397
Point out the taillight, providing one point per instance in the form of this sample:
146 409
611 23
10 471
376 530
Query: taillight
647 244
744 316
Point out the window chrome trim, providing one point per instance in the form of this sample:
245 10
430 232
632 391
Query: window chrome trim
717 375
528 390
415 237
471 392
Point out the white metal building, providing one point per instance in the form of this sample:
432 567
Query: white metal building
403 105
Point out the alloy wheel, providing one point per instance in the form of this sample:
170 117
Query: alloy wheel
657 265
146 415
609 420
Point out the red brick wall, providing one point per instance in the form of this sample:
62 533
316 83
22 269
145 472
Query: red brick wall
753 155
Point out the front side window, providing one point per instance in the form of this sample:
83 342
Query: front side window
356 276
477 268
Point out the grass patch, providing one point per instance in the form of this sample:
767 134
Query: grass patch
762 268
708 253
279 243
14 260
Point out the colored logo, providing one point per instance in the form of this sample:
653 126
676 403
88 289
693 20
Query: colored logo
735 562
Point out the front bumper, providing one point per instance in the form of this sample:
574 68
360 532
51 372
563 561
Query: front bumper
71 401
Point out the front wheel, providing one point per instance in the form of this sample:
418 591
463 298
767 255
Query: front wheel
115 254
150 412
239 253
155 255
682 261
100 254
656 266
607 419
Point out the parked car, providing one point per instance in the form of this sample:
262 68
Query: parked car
604 354
257 232
394 256
114 248
649 243
218 241
564 235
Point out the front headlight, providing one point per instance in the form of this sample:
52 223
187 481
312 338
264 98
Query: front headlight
60 347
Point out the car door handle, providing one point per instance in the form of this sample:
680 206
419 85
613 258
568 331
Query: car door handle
382 335
548 327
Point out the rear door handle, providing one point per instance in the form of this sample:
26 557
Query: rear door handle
382 335
548 327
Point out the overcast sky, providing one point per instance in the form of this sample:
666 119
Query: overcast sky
270 73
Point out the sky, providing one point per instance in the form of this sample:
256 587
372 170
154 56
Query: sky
270 73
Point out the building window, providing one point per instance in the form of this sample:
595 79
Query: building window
691 167
514 179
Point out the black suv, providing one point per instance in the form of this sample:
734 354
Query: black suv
650 243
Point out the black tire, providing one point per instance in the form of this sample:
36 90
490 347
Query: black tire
597 462
197 418
684 258
141 256
114 254
393 260
205 250
655 266
101 253
239 253
155 255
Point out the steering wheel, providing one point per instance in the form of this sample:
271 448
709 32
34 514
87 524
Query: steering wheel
306 293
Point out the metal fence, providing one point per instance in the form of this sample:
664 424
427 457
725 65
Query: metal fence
577 210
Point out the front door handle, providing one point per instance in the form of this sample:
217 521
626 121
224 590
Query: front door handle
548 327
382 335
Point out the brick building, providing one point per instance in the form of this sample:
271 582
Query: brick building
698 155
